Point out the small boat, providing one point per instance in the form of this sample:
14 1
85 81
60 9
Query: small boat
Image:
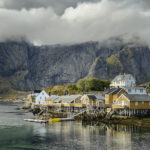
60 119
36 120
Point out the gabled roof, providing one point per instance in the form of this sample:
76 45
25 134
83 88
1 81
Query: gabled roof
110 91
114 91
90 96
66 98
37 91
117 91
69 98
54 98
122 77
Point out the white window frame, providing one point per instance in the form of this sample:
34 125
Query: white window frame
136 103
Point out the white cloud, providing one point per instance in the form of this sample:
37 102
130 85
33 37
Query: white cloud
58 5
86 22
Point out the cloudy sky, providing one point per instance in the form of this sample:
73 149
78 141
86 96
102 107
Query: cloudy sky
73 21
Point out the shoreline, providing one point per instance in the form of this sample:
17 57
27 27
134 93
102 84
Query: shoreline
136 121
122 120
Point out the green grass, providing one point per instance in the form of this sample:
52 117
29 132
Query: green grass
145 84
14 94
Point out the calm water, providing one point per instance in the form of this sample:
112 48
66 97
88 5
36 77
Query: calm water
15 134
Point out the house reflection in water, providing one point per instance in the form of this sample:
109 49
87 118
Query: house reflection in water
75 135
118 138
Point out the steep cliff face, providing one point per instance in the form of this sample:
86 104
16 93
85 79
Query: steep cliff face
26 67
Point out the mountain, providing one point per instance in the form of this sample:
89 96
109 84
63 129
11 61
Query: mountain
24 66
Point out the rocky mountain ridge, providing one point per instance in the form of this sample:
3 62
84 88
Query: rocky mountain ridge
24 66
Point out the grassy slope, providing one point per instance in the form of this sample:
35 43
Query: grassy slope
145 84
7 92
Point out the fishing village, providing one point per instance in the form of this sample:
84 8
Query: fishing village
122 102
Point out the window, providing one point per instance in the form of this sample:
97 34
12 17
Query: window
126 102
136 103
114 101
129 90
142 102
141 90
120 102
85 101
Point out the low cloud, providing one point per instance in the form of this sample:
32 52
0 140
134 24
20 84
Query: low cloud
86 22
58 5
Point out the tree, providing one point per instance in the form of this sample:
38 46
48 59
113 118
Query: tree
81 85
92 84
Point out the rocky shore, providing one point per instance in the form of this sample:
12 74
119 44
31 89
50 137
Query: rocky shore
92 118
100 118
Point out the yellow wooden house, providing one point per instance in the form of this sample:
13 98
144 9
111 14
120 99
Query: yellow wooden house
70 99
52 99
64 101
31 98
112 95
125 101
89 100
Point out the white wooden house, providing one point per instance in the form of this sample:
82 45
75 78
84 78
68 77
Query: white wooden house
41 97
126 80
136 90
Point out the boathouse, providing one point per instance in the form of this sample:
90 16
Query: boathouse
89 100
112 95
132 104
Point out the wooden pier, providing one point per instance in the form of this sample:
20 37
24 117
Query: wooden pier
36 120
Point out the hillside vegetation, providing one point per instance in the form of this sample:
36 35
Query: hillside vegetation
81 87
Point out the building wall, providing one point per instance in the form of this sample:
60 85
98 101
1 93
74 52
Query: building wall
77 100
47 102
124 102
121 102
41 98
109 98
128 82
141 105
87 101
140 91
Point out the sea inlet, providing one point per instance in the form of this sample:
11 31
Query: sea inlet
16 134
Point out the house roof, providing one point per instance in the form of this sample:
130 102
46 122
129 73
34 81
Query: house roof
114 91
100 97
37 91
90 96
110 91
69 98
54 98
135 88
66 98
136 97
122 77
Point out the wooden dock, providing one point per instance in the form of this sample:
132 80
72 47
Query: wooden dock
36 120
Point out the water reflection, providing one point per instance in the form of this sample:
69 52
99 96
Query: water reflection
68 135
